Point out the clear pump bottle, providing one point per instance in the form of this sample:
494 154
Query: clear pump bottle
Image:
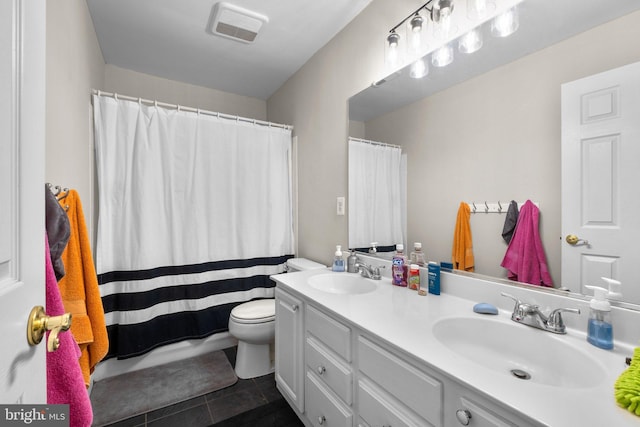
600 328
338 260
417 256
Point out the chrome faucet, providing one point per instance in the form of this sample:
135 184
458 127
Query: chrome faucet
369 271
530 315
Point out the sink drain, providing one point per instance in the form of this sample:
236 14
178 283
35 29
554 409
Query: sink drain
520 374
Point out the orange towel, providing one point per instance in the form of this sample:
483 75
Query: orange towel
462 253
80 292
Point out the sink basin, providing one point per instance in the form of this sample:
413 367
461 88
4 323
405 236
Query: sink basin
342 283
525 353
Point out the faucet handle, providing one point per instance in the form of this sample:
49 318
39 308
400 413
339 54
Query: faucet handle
517 301
555 322
376 271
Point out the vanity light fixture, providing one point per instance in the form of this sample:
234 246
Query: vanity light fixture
440 13
416 33
470 42
506 24
443 56
393 41
477 9
418 69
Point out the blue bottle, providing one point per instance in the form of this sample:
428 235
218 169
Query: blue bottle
433 275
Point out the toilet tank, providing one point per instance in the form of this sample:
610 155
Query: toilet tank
300 264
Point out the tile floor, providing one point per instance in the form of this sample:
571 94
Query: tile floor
253 402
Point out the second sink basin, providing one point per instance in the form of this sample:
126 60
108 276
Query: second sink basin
521 351
342 283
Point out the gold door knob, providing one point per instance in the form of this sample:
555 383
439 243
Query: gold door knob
40 323
574 240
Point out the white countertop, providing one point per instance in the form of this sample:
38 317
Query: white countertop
404 319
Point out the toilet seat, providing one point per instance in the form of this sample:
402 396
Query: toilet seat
258 311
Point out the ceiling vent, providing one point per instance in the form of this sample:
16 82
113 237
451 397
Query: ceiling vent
235 23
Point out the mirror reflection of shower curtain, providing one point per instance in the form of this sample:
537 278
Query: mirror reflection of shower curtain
195 214
377 194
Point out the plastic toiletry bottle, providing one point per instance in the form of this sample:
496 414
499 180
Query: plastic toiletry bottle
600 328
414 277
399 267
417 256
338 260
352 260
433 271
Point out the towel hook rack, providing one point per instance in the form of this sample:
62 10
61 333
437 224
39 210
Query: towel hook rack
474 206
486 207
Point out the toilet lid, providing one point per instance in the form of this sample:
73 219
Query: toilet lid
258 311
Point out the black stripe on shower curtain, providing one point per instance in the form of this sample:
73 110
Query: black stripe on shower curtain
129 337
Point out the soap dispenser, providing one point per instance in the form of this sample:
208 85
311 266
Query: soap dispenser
599 328
352 262
338 260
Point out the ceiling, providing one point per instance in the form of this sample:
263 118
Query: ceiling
169 39
542 23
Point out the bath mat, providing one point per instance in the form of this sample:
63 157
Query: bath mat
125 396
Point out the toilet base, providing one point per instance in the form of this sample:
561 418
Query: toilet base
254 360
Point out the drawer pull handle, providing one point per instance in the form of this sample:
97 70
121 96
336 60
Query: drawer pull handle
464 416
321 370
294 307
321 419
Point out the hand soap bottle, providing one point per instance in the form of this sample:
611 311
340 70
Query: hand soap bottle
338 260
600 329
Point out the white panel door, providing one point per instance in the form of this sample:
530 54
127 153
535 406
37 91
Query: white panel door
600 180
22 124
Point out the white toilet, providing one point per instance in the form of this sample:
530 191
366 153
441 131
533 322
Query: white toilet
253 325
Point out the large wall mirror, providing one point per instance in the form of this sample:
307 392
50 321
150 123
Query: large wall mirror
488 126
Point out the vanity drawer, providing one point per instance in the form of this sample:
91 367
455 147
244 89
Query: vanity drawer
376 409
332 333
323 407
334 373
411 386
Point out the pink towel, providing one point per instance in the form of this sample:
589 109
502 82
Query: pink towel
65 383
525 258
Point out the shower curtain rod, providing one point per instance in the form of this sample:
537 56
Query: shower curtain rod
367 141
191 109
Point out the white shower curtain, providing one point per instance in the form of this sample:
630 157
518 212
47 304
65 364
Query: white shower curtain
376 194
195 214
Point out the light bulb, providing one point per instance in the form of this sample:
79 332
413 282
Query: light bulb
392 48
415 34
416 23
477 9
418 69
443 56
506 24
470 42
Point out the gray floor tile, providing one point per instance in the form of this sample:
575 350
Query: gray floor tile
197 416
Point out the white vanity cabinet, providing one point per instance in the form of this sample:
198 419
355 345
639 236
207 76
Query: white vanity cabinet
465 408
394 392
336 374
289 347
329 375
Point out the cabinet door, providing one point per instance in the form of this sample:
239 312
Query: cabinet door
289 347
